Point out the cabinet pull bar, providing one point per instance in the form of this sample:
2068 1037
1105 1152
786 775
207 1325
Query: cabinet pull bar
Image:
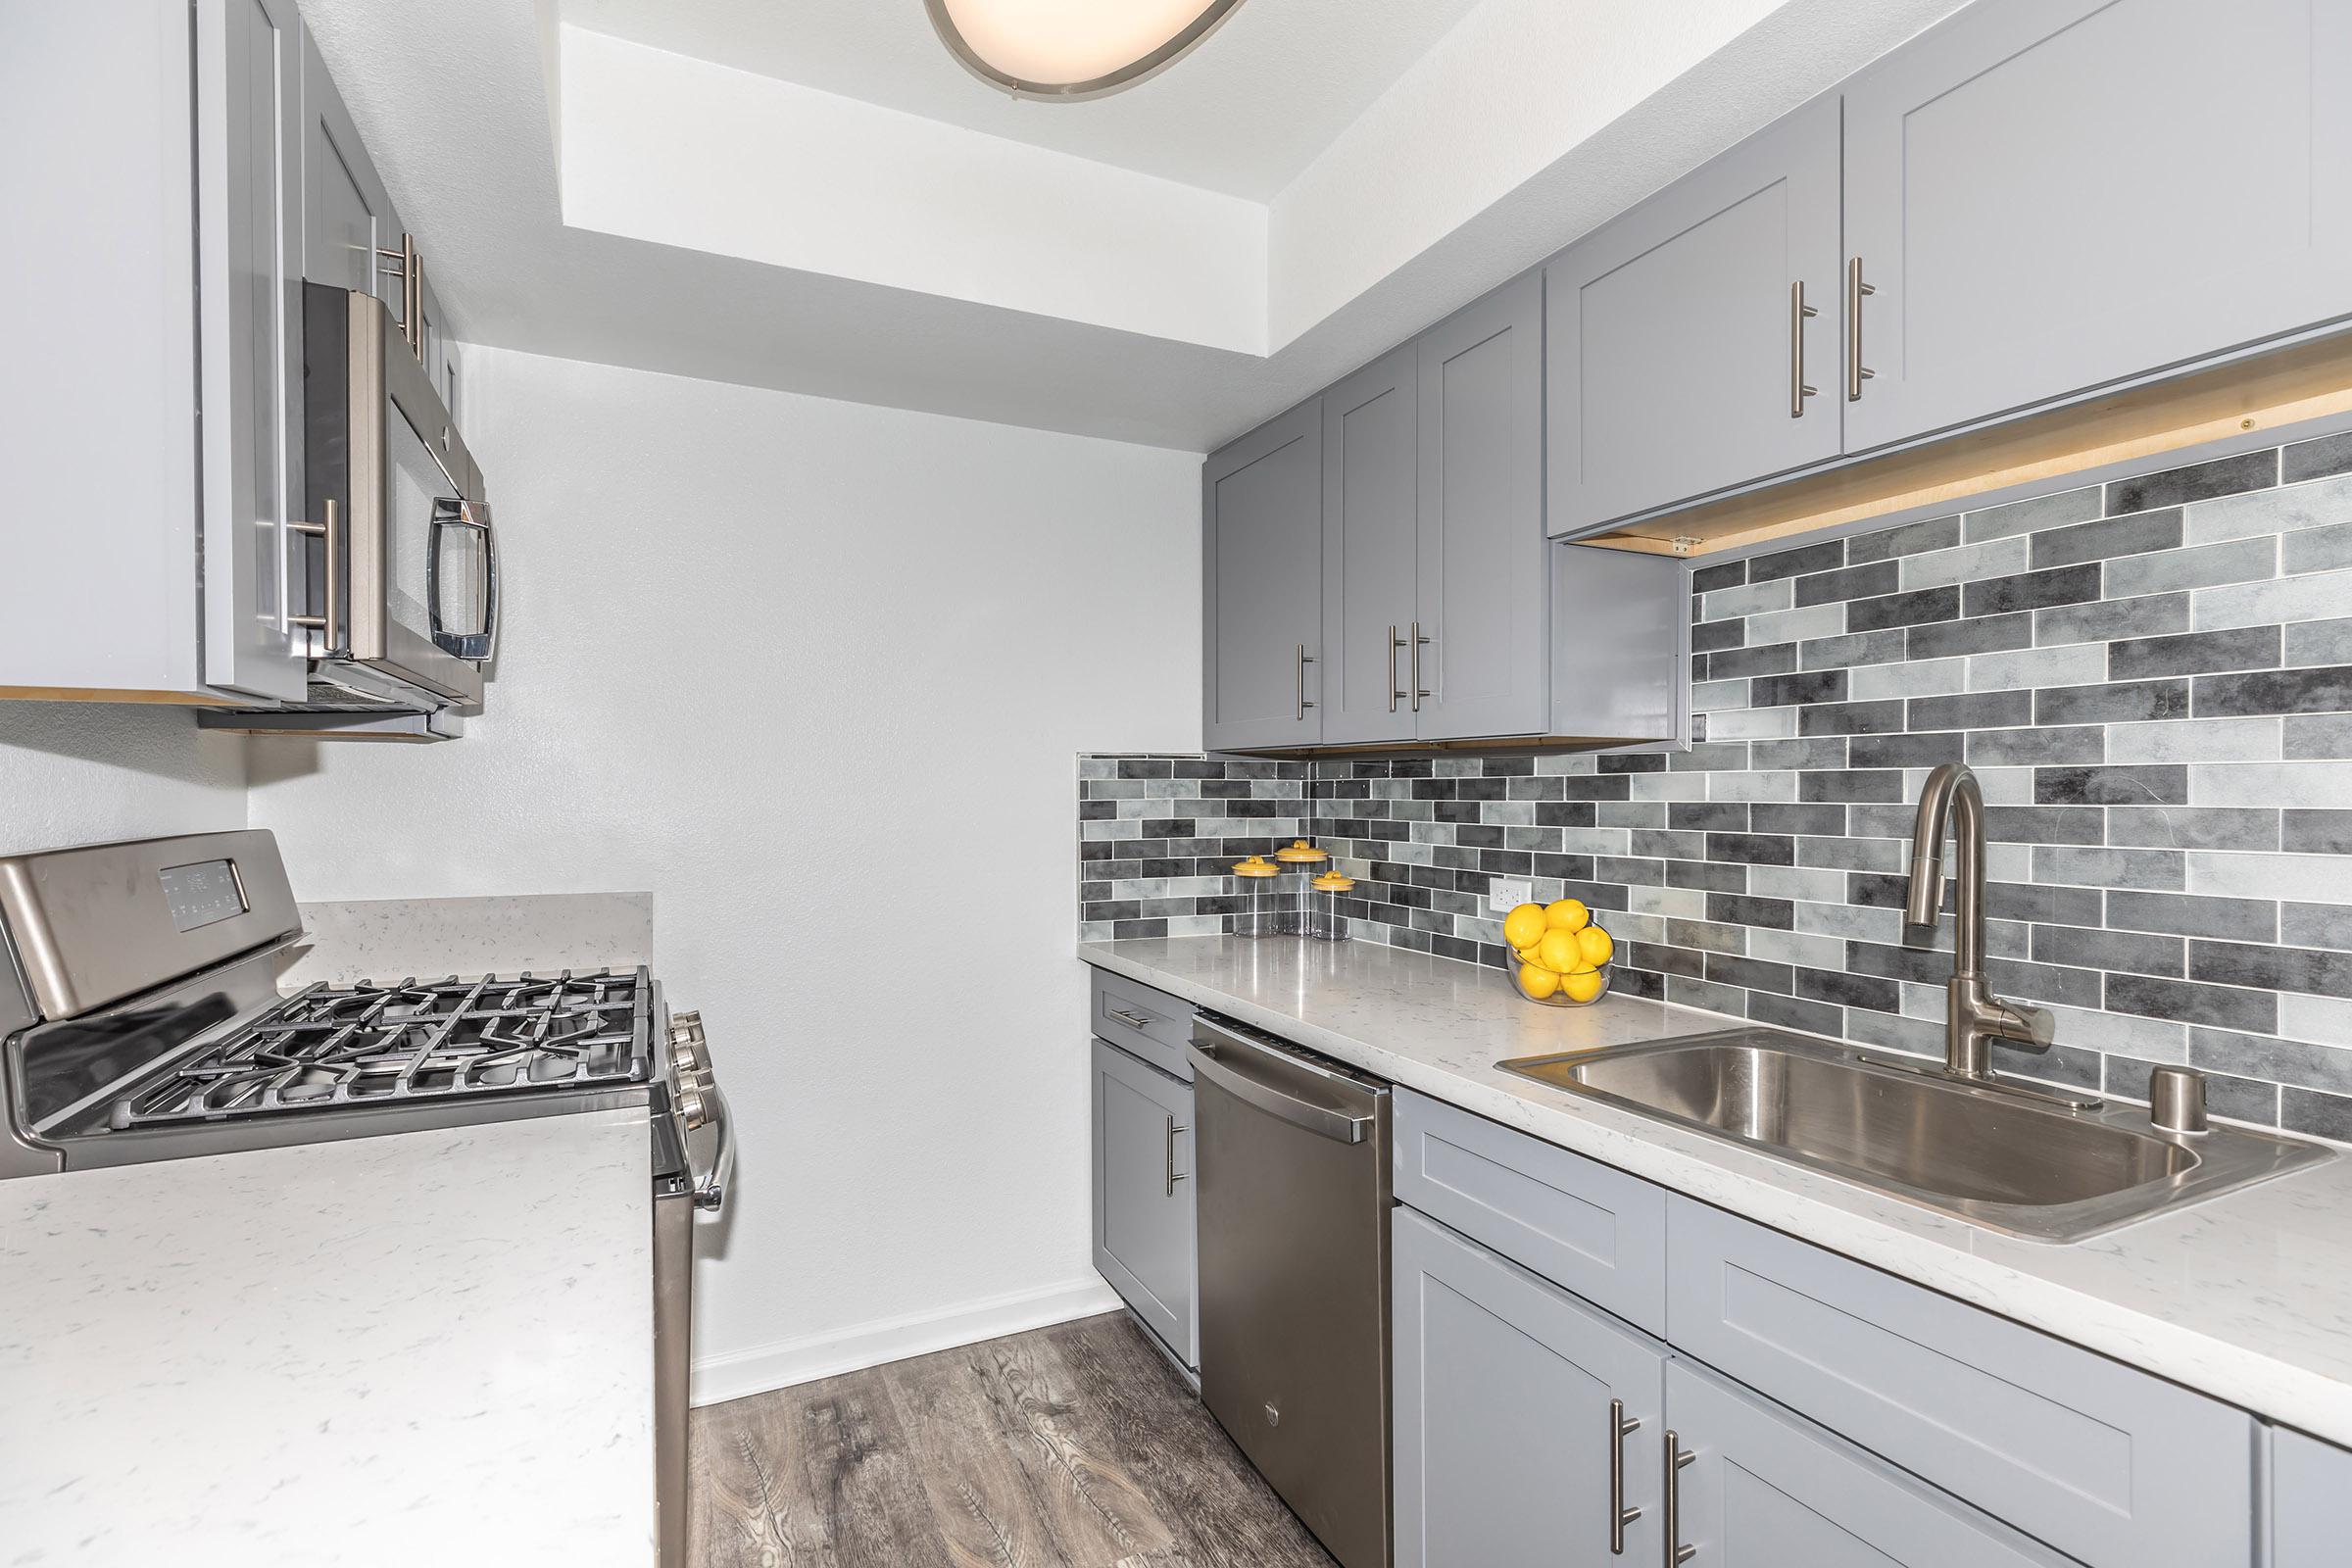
1856 373
1799 314
1304 659
324 624
1418 690
1676 1458
1168 1164
1133 1020
1621 1427
1394 642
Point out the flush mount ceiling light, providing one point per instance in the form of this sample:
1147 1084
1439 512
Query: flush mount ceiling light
1072 49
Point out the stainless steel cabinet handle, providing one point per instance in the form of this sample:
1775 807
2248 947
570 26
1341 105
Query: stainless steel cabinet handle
1620 1428
1856 373
1800 312
332 617
411 273
1394 642
1304 659
1418 690
1676 1458
1168 1189
1133 1020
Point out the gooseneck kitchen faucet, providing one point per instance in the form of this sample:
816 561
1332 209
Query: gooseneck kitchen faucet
1974 1017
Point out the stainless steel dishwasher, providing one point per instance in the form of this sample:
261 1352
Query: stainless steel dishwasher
1293 1187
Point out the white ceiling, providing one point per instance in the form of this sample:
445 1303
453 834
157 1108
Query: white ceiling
1242 114
834 206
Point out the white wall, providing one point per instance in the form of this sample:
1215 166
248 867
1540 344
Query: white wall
815 674
86 772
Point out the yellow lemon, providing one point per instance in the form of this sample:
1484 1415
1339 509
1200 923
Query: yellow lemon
1536 982
1568 915
1581 987
1523 927
1559 950
1596 945
1529 954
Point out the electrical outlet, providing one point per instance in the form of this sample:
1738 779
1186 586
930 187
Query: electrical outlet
1505 896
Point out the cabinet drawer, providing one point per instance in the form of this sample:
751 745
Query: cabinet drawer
1153 1024
1595 1229
2108 1464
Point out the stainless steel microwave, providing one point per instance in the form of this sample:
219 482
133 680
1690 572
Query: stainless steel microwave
400 560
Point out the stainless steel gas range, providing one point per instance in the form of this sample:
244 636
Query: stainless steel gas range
143 1021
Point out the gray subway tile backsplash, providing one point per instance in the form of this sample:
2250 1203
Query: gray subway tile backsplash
2157 698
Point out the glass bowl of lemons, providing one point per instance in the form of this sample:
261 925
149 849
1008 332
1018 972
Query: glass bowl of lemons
1556 954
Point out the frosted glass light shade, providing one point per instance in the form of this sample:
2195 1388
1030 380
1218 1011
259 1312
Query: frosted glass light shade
1072 48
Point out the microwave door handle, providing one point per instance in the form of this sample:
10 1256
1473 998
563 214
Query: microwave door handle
454 513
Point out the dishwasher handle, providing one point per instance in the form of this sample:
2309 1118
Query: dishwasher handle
1232 1075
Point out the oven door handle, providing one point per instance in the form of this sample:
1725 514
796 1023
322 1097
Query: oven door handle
1324 1121
710 1191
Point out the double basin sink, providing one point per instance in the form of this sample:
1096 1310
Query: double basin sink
2039 1167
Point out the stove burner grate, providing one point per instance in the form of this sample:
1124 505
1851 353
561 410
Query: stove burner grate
378 1044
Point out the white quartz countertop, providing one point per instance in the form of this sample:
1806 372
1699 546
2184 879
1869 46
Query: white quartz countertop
431 1348
2247 1296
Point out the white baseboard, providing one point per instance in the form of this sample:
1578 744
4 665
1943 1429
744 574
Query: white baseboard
762 1367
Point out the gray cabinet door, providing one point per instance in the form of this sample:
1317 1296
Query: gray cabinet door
2048 195
2311 1502
346 216
1261 577
249 245
1677 355
1767 1490
1482 588
1144 1193
1503 1419
1370 541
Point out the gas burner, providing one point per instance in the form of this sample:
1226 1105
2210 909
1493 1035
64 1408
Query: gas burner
415 1041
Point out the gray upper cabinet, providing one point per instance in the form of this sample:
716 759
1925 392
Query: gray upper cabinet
1763 1489
249 247
1261 576
346 216
1371 535
1143 1202
1512 1398
1481 591
150 417
2007 173
1680 348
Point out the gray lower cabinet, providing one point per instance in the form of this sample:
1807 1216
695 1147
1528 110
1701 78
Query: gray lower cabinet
1261 576
2002 172
1765 1490
1371 550
1142 1198
1481 668
1525 1420
2115 1467
2311 1502
1694 340
1831 1413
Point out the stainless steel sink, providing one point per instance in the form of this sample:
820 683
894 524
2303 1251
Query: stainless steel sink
2013 1161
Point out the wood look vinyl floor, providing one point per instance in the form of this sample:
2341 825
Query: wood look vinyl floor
1070 1446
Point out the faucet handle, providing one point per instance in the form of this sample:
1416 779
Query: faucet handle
2026 1026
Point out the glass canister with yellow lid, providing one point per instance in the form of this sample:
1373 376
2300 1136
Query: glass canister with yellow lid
1324 921
1256 888
1301 862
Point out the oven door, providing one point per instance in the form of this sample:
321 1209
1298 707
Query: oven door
417 576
